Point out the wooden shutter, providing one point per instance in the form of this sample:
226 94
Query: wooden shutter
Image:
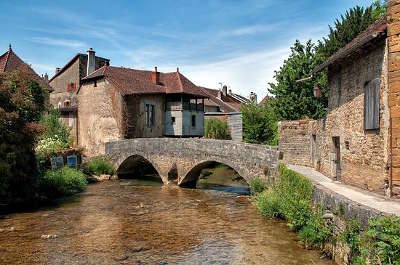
371 104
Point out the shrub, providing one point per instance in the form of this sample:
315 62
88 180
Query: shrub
268 203
315 232
257 185
56 136
62 182
215 129
381 242
98 166
22 100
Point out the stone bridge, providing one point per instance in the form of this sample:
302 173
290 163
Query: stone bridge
179 160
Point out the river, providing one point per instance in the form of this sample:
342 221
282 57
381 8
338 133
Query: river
141 222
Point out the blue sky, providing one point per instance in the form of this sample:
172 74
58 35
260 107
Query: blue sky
238 43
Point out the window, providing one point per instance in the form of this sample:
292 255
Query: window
95 83
371 104
173 120
149 115
193 120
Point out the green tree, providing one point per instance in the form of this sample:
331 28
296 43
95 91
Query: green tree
22 102
215 129
260 123
351 24
294 99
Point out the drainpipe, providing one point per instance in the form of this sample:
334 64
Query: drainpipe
390 157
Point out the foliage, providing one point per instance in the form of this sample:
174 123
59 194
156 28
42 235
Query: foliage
260 124
98 166
257 185
316 232
290 199
295 100
354 21
62 182
215 129
22 101
55 138
351 236
381 242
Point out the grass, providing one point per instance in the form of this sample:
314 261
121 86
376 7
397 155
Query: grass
290 199
99 166
62 182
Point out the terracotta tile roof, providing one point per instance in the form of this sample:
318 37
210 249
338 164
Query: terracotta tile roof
373 32
131 81
265 99
10 61
227 103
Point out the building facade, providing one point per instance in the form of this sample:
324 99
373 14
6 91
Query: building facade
355 143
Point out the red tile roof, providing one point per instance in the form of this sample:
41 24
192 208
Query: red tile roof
131 81
226 103
373 32
10 61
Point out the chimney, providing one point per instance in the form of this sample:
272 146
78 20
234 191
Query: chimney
155 76
219 96
253 97
224 90
107 63
46 77
91 63
58 70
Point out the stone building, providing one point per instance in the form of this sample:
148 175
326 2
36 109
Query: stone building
118 103
66 82
357 142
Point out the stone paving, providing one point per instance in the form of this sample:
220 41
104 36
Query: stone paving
363 197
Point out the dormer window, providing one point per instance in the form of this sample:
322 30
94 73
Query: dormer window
67 103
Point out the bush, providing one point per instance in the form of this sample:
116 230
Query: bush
269 204
257 185
62 182
315 232
215 129
381 242
260 124
98 166
55 138
290 199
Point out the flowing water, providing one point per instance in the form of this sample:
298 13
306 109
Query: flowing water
138 222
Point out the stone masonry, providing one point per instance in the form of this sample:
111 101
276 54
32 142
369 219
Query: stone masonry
185 155
393 18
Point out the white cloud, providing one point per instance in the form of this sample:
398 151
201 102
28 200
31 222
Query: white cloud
59 42
43 68
244 73
250 30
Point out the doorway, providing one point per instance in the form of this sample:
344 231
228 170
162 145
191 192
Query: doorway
337 163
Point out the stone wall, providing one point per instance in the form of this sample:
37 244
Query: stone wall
184 154
136 116
393 18
363 153
59 84
97 120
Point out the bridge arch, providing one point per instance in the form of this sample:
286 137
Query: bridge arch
138 163
191 175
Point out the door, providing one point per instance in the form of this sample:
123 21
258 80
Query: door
337 164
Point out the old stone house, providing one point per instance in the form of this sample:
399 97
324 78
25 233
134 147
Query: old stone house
358 142
66 82
117 103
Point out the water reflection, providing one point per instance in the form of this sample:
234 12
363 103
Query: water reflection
135 222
